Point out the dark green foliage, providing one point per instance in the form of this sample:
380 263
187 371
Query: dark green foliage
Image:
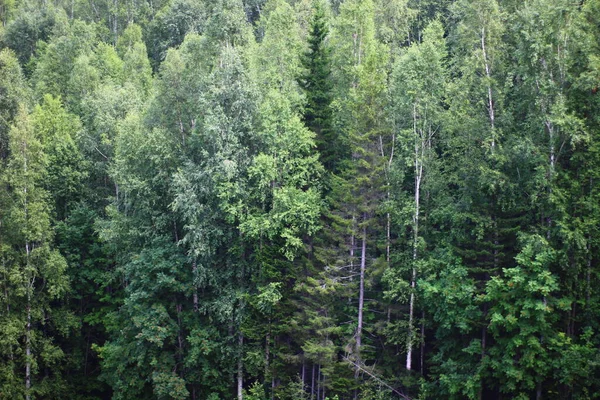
170 25
318 87
32 25
299 199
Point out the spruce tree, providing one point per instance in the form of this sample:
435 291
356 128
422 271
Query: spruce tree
318 86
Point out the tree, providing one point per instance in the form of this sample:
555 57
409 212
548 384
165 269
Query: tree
419 90
15 93
171 24
31 27
66 170
360 63
55 60
477 192
318 87
34 274
521 320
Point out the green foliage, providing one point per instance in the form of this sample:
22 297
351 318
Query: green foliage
66 168
521 318
34 274
171 24
256 392
31 27
56 59
14 93
317 84
277 199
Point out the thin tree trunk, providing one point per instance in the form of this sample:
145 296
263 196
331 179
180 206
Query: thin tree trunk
352 245
30 284
483 347
588 274
115 20
551 138
361 291
422 365
240 369
312 384
318 381
419 145
195 288
303 373
488 74
28 346
388 236
588 278
179 339
267 350
389 219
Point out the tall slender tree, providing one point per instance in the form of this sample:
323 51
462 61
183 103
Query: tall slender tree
419 91
34 274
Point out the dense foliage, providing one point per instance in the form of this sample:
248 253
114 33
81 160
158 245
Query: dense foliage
300 199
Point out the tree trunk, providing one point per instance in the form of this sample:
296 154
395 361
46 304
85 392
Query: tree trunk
267 350
491 113
195 288
361 290
422 364
28 347
179 339
312 384
240 369
303 373
419 148
318 381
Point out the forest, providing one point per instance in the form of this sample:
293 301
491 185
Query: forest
299 199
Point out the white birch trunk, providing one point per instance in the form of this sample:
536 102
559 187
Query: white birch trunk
488 74
361 291
419 148
240 369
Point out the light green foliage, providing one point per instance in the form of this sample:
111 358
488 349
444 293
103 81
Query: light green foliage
57 58
136 68
66 170
522 316
277 61
183 76
256 392
226 27
15 93
130 36
393 20
353 41
284 195
6 10
34 276
112 89
419 83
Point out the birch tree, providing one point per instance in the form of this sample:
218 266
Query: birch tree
34 275
418 88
